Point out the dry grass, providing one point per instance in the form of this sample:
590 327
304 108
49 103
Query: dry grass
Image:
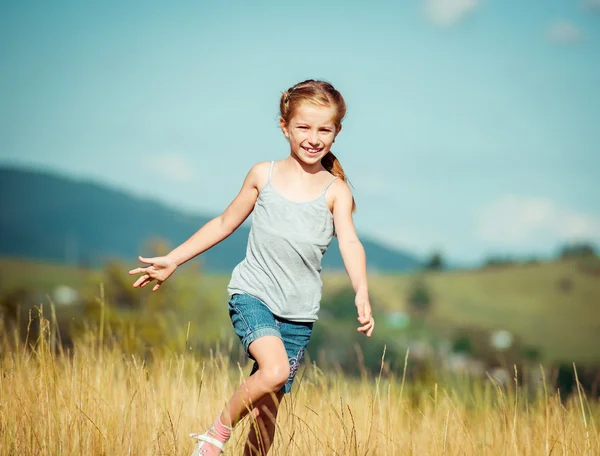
98 401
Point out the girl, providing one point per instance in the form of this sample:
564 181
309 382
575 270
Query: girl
276 290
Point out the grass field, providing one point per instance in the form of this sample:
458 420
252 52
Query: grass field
96 400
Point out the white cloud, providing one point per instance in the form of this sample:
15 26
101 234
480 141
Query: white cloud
533 223
173 167
445 13
593 5
564 32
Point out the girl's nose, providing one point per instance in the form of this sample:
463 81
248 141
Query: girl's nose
314 138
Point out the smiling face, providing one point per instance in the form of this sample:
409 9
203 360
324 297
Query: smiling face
311 132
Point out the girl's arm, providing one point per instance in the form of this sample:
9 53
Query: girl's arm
208 236
353 255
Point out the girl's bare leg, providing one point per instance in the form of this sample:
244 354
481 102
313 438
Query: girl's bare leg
273 371
262 427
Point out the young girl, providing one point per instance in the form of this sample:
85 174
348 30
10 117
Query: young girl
276 290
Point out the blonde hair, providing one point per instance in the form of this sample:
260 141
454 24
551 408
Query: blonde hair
319 93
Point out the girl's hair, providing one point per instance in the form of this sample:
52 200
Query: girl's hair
318 93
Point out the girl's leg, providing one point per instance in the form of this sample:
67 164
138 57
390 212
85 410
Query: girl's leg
262 427
273 371
295 338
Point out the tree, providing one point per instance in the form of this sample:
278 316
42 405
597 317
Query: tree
435 262
419 298
577 250
499 261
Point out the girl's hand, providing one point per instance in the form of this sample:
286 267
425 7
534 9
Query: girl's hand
160 269
365 316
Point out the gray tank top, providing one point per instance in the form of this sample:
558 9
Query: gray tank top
283 260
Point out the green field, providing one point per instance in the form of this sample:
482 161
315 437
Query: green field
554 307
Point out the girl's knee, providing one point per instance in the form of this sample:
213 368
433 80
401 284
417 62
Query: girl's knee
275 376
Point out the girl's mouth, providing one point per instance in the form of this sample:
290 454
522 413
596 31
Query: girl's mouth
312 151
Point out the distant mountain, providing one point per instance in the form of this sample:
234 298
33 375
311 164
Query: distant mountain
51 217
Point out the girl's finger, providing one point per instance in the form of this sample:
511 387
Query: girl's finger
137 270
157 286
368 328
139 281
147 260
363 328
146 282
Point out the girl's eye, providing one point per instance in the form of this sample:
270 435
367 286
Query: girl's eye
303 128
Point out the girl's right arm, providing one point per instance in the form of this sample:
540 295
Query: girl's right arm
209 235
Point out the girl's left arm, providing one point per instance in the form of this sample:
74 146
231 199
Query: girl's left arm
353 254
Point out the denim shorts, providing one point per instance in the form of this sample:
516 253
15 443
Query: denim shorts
252 319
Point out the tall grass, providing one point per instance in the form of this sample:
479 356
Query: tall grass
95 399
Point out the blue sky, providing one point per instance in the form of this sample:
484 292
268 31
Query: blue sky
472 126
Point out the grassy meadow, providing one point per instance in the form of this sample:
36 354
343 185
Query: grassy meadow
96 400
530 300
97 397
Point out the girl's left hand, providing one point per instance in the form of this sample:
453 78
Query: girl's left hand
365 316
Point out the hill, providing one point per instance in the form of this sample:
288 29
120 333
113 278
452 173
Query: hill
50 217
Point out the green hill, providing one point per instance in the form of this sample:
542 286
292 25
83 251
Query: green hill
50 217
552 307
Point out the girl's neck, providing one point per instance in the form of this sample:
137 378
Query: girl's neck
297 166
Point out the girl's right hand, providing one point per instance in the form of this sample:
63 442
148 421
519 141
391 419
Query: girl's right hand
160 269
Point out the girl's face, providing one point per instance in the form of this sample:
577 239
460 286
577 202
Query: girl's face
311 132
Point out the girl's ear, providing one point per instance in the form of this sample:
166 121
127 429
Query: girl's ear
339 128
284 128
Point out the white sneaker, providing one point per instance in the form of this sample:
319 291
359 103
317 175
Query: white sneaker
207 444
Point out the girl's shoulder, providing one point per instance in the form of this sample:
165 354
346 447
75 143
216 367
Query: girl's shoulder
261 168
338 193
339 187
259 174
